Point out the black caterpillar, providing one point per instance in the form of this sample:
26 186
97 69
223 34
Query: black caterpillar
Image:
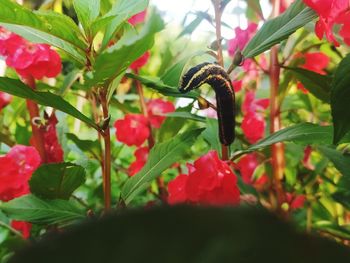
218 79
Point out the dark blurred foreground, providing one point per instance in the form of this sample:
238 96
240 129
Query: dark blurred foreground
184 234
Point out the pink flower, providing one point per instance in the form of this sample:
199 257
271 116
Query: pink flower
242 37
132 130
141 155
210 181
237 85
156 108
5 99
23 227
138 18
253 126
250 104
141 61
17 167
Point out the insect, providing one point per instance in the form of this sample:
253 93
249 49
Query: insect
218 79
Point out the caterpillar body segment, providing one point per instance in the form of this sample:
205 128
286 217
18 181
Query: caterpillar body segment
218 79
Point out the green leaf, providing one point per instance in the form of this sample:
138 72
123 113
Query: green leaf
93 147
17 88
32 209
185 115
159 86
121 11
173 75
319 85
185 234
340 161
116 59
160 158
44 27
211 135
340 95
303 133
188 30
56 180
87 12
279 28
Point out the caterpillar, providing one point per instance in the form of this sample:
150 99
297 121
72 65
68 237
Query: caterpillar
218 79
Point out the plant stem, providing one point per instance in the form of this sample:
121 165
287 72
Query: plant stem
14 231
275 117
218 14
107 152
38 133
162 189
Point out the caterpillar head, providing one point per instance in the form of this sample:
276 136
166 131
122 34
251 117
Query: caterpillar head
190 79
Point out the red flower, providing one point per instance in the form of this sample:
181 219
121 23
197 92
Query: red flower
247 165
307 158
17 167
5 99
155 110
132 130
53 148
23 227
242 36
141 155
28 59
140 62
138 18
316 62
210 182
295 201
330 12
253 126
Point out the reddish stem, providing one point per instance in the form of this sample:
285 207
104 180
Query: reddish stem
38 132
107 154
218 14
275 117
160 183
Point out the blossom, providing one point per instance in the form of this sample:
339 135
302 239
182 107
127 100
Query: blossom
17 167
295 201
210 181
23 227
141 61
156 108
138 18
331 12
253 126
307 158
29 59
250 104
242 36
237 85
132 130
247 165
53 148
5 99
141 155
316 62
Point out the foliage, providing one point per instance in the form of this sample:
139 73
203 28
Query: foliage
92 121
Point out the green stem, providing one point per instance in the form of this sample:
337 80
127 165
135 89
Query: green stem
107 153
